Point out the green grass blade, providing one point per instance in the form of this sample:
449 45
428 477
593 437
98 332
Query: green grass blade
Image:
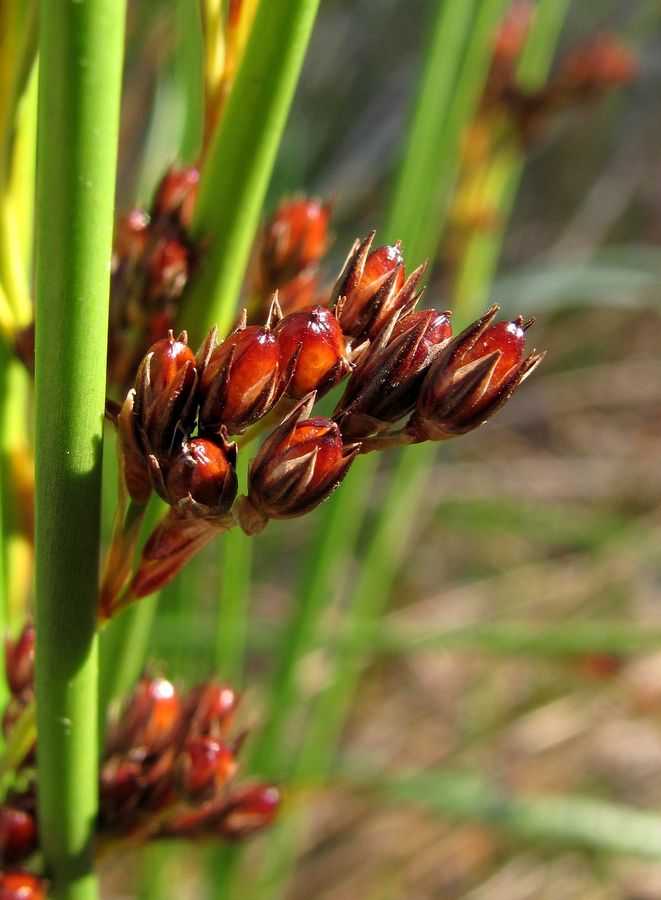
237 171
80 76
568 821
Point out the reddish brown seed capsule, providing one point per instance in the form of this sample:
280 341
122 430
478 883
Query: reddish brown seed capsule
204 765
602 64
367 289
241 381
295 238
168 266
18 834
131 236
472 377
249 809
297 467
177 193
202 478
21 886
151 718
315 339
383 387
165 391
210 708
19 661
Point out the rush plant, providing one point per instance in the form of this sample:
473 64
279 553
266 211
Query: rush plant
190 338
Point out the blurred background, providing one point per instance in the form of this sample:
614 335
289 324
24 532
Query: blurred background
473 709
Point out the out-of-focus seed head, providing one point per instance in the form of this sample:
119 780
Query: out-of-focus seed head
21 886
604 63
151 719
209 709
176 194
18 834
295 238
383 387
372 288
204 765
201 479
241 381
315 340
131 235
168 268
473 376
297 467
250 809
19 661
165 392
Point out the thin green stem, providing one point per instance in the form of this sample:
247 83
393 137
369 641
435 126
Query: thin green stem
241 157
79 87
232 619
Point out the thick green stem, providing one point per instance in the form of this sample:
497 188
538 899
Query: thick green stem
79 88
241 157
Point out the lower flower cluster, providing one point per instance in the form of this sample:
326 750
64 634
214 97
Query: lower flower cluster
168 771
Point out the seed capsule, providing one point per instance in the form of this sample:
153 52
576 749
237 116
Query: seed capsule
297 467
367 290
202 478
165 390
314 338
176 194
383 387
18 834
204 765
249 809
241 381
19 661
295 238
151 718
21 886
472 378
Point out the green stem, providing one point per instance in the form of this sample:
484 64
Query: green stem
241 157
232 620
79 89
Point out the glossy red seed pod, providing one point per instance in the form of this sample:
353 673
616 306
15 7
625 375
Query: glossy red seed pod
603 63
297 467
241 380
201 479
204 765
18 834
168 267
315 340
132 233
249 809
176 194
21 886
366 290
19 661
165 393
151 718
295 238
209 709
383 387
473 376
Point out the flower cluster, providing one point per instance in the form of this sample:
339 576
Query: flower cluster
170 766
169 770
153 259
600 64
406 380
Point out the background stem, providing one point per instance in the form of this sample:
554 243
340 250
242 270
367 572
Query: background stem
241 157
79 90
